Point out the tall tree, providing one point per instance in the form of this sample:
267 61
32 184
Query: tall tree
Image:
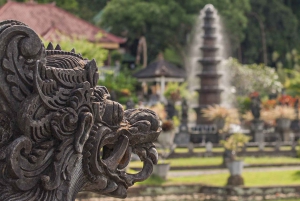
88 9
167 23
280 26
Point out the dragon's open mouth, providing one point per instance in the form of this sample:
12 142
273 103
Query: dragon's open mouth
116 157
110 153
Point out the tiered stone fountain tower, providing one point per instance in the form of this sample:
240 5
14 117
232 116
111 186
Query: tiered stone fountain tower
209 93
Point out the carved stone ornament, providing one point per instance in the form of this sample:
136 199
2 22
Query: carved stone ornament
59 132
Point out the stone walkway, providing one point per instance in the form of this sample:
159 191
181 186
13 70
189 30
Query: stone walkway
185 173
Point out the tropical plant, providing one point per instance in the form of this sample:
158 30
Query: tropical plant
248 116
267 115
213 112
175 91
222 116
235 142
269 104
116 56
243 104
284 112
287 100
291 81
122 85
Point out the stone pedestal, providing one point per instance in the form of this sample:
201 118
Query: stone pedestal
283 127
257 127
161 170
235 180
209 149
235 168
183 137
191 148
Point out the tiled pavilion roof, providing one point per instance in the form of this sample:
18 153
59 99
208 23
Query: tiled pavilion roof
51 22
160 68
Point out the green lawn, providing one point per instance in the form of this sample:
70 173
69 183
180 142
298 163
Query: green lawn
196 161
285 177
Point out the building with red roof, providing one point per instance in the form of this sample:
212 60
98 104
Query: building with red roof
52 22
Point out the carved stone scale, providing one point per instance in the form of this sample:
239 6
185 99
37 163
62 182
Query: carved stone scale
59 132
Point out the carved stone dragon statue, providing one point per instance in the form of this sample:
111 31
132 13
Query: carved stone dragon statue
59 132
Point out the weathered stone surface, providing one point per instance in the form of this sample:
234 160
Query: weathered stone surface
59 132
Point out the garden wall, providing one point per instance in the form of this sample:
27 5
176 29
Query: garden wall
201 192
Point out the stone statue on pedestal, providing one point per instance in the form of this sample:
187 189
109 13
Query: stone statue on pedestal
59 132
255 107
257 125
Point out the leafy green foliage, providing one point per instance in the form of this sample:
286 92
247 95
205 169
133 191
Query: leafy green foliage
235 141
122 85
175 91
281 30
243 103
167 23
87 9
2 2
116 56
172 56
292 82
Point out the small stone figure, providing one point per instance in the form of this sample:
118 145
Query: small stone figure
255 106
170 109
184 112
183 136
